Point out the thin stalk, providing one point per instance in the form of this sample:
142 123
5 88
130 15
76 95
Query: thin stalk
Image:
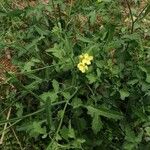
28 115
16 137
61 120
131 14
138 17
53 5
5 126
134 21
38 69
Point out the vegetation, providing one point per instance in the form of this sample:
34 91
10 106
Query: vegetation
78 76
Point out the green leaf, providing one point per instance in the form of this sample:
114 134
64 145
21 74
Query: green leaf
41 31
64 133
92 16
132 82
19 108
128 146
76 102
147 129
96 113
132 138
96 123
71 133
130 135
57 51
48 112
36 129
92 78
28 66
33 43
123 94
78 143
34 85
66 95
53 96
55 86
104 112
144 69
148 78
84 39
145 86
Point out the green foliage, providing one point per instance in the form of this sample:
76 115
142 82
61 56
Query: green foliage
54 105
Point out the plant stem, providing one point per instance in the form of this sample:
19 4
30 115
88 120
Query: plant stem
130 11
5 126
55 13
61 121
19 143
28 115
138 17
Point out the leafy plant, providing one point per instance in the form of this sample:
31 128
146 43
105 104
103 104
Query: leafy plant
83 74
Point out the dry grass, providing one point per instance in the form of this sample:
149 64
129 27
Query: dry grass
6 66
21 4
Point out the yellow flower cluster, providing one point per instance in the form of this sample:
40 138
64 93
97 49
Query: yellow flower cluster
84 61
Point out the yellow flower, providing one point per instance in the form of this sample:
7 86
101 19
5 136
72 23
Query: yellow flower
87 59
87 56
81 57
82 67
84 61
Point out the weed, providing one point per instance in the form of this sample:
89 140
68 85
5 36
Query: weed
77 75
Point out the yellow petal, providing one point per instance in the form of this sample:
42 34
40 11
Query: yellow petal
82 67
83 70
86 61
91 57
86 55
86 67
81 57
78 65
